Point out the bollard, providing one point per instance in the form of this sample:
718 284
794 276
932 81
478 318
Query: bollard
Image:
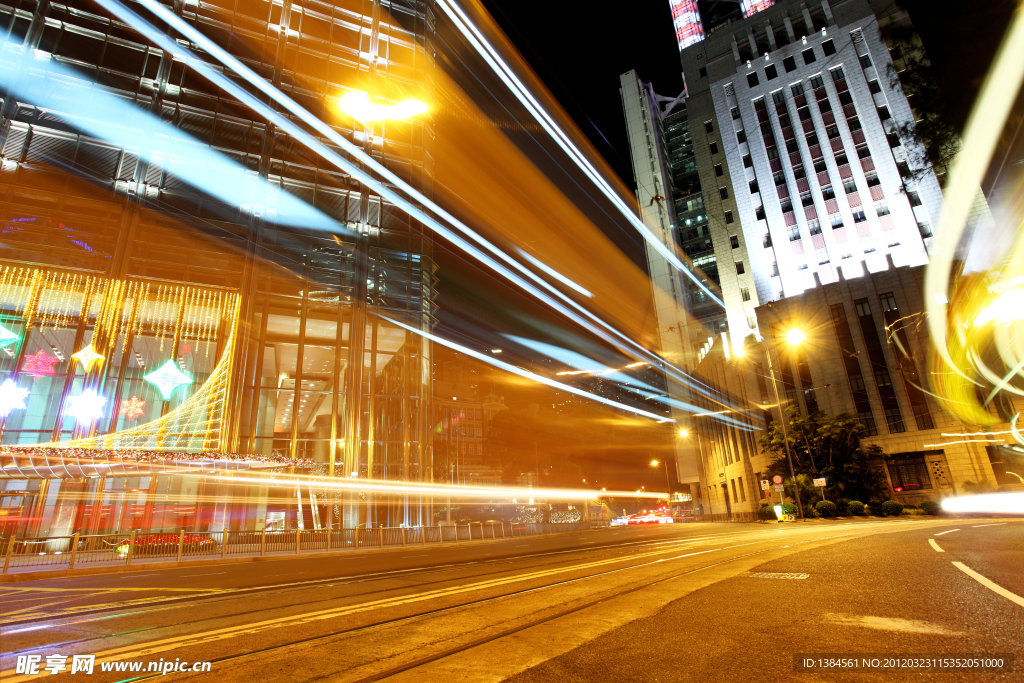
263 542
329 532
440 533
503 529
403 536
181 543
224 544
298 536
423 535
131 547
380 531
10 551
74 552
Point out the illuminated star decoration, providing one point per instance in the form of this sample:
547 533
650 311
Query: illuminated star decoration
11 396
87 356
133 407
85 407
39 364
167 378
7 337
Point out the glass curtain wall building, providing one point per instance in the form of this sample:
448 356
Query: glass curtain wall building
146 307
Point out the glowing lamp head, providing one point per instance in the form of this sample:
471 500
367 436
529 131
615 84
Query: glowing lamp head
654 463
794 337
358 106
684 433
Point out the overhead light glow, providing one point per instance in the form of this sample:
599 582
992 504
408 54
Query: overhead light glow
85 407
358 106
167 378
11 397
794 337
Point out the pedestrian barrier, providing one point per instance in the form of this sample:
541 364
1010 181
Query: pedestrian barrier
134 546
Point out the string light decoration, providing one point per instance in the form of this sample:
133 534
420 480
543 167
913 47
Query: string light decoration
7 337
133 407
85 407
39 364
87 356
167 378
12 397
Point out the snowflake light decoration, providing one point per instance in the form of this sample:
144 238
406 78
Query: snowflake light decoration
87 356
85 407
11 397
7 337
39 364
133 407
167 378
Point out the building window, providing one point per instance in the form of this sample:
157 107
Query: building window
909 474
735 111
759 104
837 73
882 377
752 79
718 170
703 72
882 208
735 499
915 198
836 220
888 301
723 192
813 226
739 268
747 161
868 421
784 120
794 233
751 322
858 216
759 213
845 98
872 178
789 64
865 61
828 47
925 229
883 113
708 127
771 72
714 147
857 383
745 293
832 132
894 140
827 192
728 216
894 420
741 137
778 98
840 159
806 199
850 186
822 255
874 87
797 89
775 268
753 187
808 55
824 106
734 240
743 493
817 82
863 309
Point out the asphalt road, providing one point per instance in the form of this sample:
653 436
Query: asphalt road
665 603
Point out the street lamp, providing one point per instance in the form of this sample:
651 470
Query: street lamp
794 337
668 485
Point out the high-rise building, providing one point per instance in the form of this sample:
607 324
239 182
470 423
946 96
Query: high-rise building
184 271
795 147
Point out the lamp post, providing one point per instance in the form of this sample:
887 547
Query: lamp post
668 485
794 337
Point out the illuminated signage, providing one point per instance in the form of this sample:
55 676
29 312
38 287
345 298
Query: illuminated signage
686 20
752 7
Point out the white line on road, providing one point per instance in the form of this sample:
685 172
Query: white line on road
406 557
946 532
991 585
188 576
976 526
935 546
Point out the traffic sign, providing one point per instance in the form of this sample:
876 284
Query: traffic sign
777 479
819 482
780 487
764 484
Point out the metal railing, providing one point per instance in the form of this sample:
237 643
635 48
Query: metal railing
125 548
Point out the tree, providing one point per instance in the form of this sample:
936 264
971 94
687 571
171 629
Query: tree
830 447
933 136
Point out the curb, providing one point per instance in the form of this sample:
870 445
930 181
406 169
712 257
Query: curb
216 562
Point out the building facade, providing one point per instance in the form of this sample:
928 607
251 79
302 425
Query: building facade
233 291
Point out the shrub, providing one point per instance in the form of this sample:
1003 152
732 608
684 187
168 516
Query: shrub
788 509
826 508
855 507
766 514
891 507
909 506
931 507
875 507
809 512
841 507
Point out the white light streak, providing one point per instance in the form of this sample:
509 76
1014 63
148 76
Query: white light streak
989 502
555 274
950 443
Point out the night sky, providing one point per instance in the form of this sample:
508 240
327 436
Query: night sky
579 50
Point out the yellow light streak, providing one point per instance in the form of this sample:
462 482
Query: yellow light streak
950 443
358 106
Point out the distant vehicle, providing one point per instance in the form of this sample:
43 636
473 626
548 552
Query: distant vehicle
649 518
681 516
619 521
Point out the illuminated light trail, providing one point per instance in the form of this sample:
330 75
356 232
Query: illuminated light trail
950 443
380 486
989 502
620 340
111 118
555 274
490 55
523 373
